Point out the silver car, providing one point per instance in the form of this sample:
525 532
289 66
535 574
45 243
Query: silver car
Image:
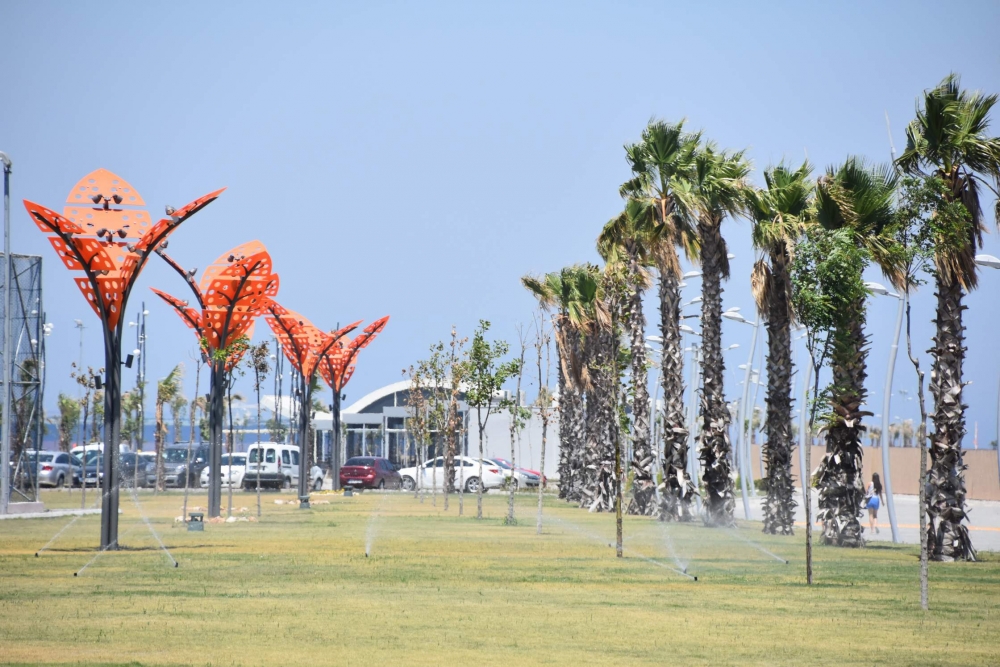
53 468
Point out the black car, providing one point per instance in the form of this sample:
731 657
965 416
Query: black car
176 470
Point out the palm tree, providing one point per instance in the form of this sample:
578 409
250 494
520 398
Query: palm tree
714 189
571 292
855 201
778 214
166 391
624 243
177 406
948 143
664 154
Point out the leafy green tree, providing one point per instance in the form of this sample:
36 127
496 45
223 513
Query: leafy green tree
855 202
166 390
486 374
949 141
69 418
778 214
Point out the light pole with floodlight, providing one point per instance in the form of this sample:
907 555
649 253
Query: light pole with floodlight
734 314
876 288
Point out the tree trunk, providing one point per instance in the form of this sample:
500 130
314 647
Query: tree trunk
779 506
568 447
715 446
600 439
591 454
643 480
841 489
158 444
948 539
678 490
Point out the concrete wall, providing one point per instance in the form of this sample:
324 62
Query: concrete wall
981 479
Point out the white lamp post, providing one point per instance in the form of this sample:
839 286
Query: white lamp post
881 290
734 314
992 262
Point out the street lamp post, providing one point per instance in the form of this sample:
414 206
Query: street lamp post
5 428
990 262
733 314
876 288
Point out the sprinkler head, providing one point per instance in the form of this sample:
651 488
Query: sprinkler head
786 562
75 573
696 578
36 554
685 570
176 564
366 554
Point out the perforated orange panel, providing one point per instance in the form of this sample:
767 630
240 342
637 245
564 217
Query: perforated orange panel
102 181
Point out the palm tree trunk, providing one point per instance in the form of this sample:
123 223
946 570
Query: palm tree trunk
841 489
592 429
677 488
715 447
948 539
158 440
643 482
604 490
779 506
568 447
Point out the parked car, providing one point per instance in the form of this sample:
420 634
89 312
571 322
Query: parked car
129 462
279 467
369 472
233 468
51 468
492 476
176 469
519 476
93 468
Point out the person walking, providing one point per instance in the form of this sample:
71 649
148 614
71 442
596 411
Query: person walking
873 500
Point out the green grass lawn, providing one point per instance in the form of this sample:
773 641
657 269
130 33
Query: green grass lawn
296 588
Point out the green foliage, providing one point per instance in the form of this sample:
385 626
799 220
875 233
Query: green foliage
69 419
485 374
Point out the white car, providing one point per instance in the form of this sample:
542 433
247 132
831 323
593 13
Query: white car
522 478
279 468
493 477
232 472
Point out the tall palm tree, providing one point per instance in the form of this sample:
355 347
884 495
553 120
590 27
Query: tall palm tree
177 406
625 242
664 154
714 189
778 214
948 141
855 201
571 293
166 390
603 479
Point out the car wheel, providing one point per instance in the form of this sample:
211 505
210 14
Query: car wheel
60 481
287 484
408 484
472 485
318 484
381 485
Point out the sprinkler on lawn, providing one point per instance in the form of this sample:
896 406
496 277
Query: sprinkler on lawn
696 578
366 554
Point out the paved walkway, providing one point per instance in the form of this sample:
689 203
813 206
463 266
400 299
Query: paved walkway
984 520
50 514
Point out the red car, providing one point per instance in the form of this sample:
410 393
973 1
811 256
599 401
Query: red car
369 472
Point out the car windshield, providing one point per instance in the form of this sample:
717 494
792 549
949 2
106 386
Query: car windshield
239 459
42 458
92 456
176 456
360 461
254 454
503 464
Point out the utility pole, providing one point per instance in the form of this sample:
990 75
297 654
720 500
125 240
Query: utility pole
5 429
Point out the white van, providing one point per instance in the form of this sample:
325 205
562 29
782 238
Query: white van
279 468
78 451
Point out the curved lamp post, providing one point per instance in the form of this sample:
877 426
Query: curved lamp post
991 262
876 288
233 291
104 233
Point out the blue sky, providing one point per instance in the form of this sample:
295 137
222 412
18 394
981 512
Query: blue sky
415 159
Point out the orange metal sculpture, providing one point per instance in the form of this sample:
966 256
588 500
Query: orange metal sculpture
337 366
104 232
304 345
233 291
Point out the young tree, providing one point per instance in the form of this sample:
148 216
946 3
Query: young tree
518 417
69 417
166 390
949 141
543 402
259 362
453 429
417 404
177 408
486 374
